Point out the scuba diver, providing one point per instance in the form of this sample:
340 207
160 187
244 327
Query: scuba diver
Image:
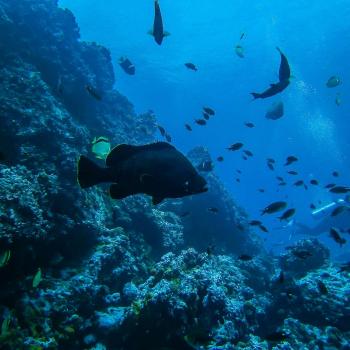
334 214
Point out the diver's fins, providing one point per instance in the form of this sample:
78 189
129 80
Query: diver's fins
90 174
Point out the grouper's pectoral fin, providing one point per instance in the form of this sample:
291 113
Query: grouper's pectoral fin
118 192
156 200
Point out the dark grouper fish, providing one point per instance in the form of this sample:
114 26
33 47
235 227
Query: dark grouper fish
157 169
158 30
284 80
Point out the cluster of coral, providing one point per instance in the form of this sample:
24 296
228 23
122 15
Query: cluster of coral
81 271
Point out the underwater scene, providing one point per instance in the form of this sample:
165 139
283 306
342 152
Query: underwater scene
174 175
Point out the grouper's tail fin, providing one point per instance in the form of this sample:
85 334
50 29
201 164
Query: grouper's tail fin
89 173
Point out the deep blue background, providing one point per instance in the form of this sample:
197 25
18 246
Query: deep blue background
314 35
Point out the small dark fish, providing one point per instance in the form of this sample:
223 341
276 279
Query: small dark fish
157 169
314 182
255 223
93 92
206 165
312 206
329 186
208 110
340 189
280 178
338 210
127 66
322 287
191 66
220 159
301 253
263 228
274 207
271 160
168 137
244 157
249 125
283 183
239 171
245 257
161 130
248 153
290 160
335 174
281 277
206 116
188 127
292 172
335 235
242 36
270 166
200 121
235 147
261 190
213 210
238 180
276 337
299 183
287 214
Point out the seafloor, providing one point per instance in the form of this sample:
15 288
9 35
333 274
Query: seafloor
126 274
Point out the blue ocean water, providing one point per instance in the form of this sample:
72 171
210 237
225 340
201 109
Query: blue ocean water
312 35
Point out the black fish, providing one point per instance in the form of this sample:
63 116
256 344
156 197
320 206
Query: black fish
248 153
244 158
213 210
270 166
263 228
249 125
206 165
335 174
255 223
93 92
238 180
287 214
235 147
127 66
322 287
158 30
301 253
338 210
261 190
292 172
314 182
334 233
299 183
200 121
220 159
208 110
280 178
239 171
274 207
206 116
167 137
312 206
188 127
245 257
329 186
284 76
271 160
157 169
191 66
161 130
340 189
283 183
290 160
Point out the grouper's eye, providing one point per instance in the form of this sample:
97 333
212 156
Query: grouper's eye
187 186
